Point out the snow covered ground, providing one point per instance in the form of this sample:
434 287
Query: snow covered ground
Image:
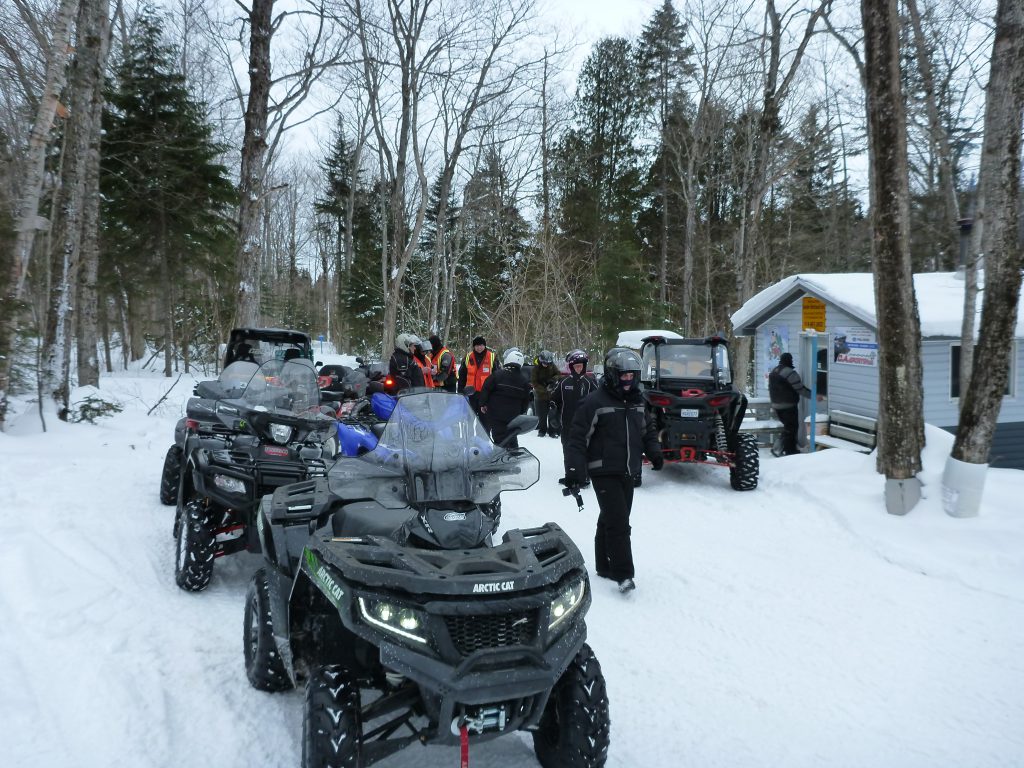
795 626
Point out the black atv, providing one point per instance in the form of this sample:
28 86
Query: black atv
250 345
689 392
275 434
384 592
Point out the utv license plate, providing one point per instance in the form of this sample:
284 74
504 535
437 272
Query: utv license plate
689 413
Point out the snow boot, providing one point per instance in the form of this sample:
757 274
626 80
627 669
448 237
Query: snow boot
626 585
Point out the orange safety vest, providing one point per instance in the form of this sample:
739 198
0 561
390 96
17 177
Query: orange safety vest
477 375
428 379
451 366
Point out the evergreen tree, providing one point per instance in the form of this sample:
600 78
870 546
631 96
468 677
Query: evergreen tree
167 200
664 66
599 185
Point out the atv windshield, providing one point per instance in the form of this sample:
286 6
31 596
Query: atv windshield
285 387
685 361
235 378
433 450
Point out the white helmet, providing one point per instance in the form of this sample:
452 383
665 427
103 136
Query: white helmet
514 357
406 340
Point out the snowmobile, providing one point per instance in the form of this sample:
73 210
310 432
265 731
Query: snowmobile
689 393
248 345
384 591
276 433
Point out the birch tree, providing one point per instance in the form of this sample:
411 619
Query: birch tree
29 220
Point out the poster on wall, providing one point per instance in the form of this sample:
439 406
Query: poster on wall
776 341
855 345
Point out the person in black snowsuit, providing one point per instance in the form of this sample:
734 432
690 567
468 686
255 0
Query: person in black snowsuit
401 367
568 393
608 436
505 395
785 389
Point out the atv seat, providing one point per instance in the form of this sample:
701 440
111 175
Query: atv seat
368 518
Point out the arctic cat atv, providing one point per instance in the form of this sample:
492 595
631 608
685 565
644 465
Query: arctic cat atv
689 392
252 345
276 434
383 591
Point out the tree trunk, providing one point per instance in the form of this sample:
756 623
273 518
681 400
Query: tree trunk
28 212
997 213
254 152
93 48
901 420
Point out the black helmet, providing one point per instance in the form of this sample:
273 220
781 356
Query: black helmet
577 356
618 361
546 357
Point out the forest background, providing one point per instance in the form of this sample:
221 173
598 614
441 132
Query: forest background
470 183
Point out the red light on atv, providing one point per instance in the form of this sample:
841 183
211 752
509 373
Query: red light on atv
324 381
659 401
719 400
191 425
389 381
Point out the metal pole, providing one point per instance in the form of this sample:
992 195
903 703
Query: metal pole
814 385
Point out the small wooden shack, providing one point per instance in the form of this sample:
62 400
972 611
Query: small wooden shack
841 308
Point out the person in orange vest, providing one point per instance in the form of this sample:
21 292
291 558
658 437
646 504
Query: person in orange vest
476 367
422 359
445 377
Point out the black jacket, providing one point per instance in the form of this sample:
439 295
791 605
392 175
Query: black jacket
401 366
609 435
506 393
785 387
569 393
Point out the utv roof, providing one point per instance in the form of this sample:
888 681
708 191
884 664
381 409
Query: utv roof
706 340
270 334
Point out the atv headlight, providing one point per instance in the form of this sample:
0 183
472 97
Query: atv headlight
392 617
229 484
568 600
280 433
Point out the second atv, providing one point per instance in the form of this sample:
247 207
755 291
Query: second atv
689 393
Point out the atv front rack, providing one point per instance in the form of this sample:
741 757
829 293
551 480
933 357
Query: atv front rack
526 559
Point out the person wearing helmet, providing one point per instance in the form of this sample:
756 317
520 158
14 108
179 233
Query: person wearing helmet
402 367
505 395
608 435
569 392
422 359
543 376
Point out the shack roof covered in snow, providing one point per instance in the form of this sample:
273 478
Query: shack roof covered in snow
940 300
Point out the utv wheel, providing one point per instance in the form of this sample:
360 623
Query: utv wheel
331 723
193 563
743 474
263 664
171 476
573 730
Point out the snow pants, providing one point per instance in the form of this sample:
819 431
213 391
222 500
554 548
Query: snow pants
790 419
541 406
613 550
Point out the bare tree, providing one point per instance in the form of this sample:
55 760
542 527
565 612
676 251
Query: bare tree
779 71
267 118
901 419
997 212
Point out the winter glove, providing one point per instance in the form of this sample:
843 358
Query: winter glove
657 463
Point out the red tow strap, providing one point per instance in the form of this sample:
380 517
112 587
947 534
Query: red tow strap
464 742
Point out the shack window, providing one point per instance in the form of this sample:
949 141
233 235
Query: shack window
954 371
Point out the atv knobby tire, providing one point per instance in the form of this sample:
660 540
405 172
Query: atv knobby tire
743 473
263 664
574 728
195 540
331 722
170 478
